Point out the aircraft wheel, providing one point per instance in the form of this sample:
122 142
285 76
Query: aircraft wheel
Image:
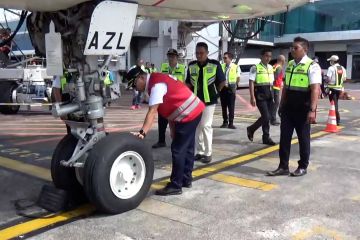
118 173
7 89
65 177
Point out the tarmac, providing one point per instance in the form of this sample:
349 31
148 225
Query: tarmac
231 198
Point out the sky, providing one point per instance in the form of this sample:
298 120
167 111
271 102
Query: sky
9 15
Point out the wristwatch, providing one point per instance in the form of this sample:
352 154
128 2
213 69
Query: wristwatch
142 133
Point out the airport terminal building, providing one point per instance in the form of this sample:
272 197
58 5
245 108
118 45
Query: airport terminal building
332 27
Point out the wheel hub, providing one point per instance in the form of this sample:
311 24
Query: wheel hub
127 175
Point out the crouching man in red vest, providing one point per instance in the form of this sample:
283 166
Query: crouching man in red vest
174 101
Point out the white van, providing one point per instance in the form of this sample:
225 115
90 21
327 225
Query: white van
245 65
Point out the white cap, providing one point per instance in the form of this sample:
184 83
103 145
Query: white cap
333 58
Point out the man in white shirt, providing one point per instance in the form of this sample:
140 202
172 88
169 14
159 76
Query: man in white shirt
228 93
336 75
297 107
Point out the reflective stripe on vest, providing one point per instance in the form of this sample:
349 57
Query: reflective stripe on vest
339 78
296 77
185 109
178 72
263 75
232 76
209 75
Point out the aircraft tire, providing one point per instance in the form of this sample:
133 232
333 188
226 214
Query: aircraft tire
118 173
6 90
65 177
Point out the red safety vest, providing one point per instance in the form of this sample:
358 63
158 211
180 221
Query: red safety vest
279 80
179 103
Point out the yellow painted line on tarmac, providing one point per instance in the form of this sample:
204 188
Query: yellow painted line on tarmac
28 169
32 225
316 231
356 198
217 167
243 182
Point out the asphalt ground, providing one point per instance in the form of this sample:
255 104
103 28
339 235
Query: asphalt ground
231 197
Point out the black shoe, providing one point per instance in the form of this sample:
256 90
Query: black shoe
298 172
199 157
168 190
224 125
269 141
159 145
278 172
231 126
206 159
187 185
275 123
250 134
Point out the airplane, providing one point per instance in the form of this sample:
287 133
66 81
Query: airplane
114 171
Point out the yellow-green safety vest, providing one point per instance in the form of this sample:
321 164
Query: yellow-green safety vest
178 72
107 80
232 72
339 78
296 77
63 80
263 75
209 76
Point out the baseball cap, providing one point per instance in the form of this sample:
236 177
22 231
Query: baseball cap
172 51
333 58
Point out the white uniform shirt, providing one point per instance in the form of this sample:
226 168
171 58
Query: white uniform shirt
314 71
56 82
331 73
158 92
252 74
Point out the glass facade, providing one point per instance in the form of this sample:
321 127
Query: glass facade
320 16
323 16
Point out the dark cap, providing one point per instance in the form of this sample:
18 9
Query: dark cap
133 74
172 51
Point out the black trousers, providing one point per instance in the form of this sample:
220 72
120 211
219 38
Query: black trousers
227 97
275 105
162 125
334 95
289 122
182 149
264 107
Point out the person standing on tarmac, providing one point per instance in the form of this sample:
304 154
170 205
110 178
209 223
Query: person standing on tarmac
336 75
297 107
174 101
206 78
177 70
136 95
153 68
278 75
228 93
260 86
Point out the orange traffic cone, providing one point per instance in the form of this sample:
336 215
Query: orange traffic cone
331 124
